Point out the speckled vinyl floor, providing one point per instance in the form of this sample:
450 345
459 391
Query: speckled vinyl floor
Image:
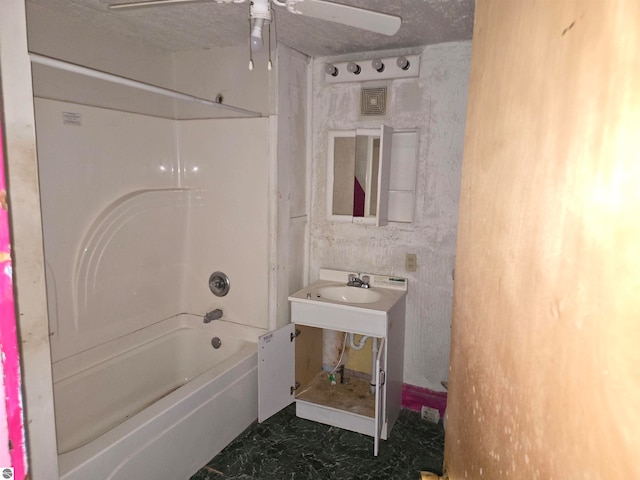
286 447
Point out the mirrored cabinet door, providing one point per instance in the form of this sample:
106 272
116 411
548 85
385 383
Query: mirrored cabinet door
358 175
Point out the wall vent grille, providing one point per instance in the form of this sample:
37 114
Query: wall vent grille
373 101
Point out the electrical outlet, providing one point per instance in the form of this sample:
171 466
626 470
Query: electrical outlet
430 414
410 262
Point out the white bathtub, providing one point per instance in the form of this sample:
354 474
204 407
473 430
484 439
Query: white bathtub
156 404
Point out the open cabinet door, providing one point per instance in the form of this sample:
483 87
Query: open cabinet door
276 371
380 416
386 135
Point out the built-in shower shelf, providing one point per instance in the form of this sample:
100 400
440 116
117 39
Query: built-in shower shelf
55 79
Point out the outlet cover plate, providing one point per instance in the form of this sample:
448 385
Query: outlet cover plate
430 414
410 262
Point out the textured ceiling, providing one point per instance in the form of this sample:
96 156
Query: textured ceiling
199 26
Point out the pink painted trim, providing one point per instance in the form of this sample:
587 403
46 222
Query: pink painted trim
9 340
414 398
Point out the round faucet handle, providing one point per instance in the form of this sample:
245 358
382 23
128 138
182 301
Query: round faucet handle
365 279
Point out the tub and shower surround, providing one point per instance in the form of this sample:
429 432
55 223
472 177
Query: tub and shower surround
138 211
115 266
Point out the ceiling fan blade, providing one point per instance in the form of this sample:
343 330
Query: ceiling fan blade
153 3
353 16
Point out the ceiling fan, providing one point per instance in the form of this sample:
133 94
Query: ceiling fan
362 18
260 15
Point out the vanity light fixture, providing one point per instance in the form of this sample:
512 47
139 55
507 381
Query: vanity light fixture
377 65
403 63
354 68
331 69
372 69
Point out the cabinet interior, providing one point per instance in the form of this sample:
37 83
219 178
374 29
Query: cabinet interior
313 382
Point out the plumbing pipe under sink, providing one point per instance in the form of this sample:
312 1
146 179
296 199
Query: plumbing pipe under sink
374 355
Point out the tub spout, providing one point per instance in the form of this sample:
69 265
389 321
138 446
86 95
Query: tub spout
212 315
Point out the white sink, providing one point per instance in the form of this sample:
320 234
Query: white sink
347 294
329 303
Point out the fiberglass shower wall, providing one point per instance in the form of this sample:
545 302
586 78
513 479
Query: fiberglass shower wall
125 246
93 177
130 240
138 210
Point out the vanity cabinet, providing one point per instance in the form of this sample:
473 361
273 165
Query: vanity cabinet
290 361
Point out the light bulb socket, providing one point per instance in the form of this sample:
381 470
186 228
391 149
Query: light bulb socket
354 68
331 69
403 63
256 34
377 65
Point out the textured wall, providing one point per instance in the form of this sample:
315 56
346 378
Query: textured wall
545 360
435 103
288 262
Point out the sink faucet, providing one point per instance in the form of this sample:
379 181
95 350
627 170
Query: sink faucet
212 315
355 281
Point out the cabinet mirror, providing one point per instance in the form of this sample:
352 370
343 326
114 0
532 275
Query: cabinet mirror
358 175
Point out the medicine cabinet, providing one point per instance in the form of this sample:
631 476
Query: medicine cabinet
358 175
